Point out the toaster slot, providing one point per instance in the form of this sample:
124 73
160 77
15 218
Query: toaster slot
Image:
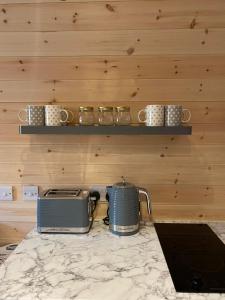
62 193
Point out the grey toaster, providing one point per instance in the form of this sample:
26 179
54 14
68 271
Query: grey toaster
65 211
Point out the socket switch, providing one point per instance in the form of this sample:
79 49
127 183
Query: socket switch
6 193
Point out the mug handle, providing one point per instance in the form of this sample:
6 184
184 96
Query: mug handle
67 115
139 113
20 117
72 115
189 115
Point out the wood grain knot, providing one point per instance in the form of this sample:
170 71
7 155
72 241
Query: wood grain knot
130 51
110 7
193 24
134 94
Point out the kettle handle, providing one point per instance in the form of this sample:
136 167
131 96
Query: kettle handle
146 193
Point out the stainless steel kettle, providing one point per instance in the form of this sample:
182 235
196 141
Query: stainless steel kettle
124 207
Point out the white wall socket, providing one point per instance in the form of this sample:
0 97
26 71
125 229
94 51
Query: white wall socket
101 189
6 193
30 192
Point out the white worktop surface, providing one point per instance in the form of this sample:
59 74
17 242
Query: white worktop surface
95 266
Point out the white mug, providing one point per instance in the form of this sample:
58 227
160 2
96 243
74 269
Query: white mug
154 115
55 115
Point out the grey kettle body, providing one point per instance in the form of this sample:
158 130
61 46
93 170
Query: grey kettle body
124 208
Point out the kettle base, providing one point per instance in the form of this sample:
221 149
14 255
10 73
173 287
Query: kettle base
124 233
123 230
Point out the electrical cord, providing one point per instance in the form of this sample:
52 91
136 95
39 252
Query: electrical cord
106 219
94 196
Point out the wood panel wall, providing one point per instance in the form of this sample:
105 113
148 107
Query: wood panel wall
133 52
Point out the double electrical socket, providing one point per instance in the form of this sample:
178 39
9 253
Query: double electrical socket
30 192
101 189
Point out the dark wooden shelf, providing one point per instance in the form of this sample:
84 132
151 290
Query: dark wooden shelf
106 130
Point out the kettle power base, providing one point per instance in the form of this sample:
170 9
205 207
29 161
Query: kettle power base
124 230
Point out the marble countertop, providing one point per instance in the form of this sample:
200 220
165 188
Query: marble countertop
95 266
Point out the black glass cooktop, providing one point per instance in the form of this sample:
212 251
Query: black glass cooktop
195 257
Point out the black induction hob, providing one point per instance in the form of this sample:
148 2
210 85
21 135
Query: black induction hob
195 257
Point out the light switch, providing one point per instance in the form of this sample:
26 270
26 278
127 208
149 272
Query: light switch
6 193
30 192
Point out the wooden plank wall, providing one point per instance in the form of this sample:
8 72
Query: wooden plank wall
133 52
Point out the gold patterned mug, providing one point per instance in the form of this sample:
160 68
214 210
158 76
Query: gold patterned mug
34 115
154 115
55 115
175 115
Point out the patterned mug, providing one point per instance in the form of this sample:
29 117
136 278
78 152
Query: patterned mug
55 115
175 115
35 115
154 115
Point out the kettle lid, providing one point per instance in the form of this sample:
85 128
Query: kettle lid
123 184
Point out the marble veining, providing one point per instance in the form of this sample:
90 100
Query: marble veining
95 266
